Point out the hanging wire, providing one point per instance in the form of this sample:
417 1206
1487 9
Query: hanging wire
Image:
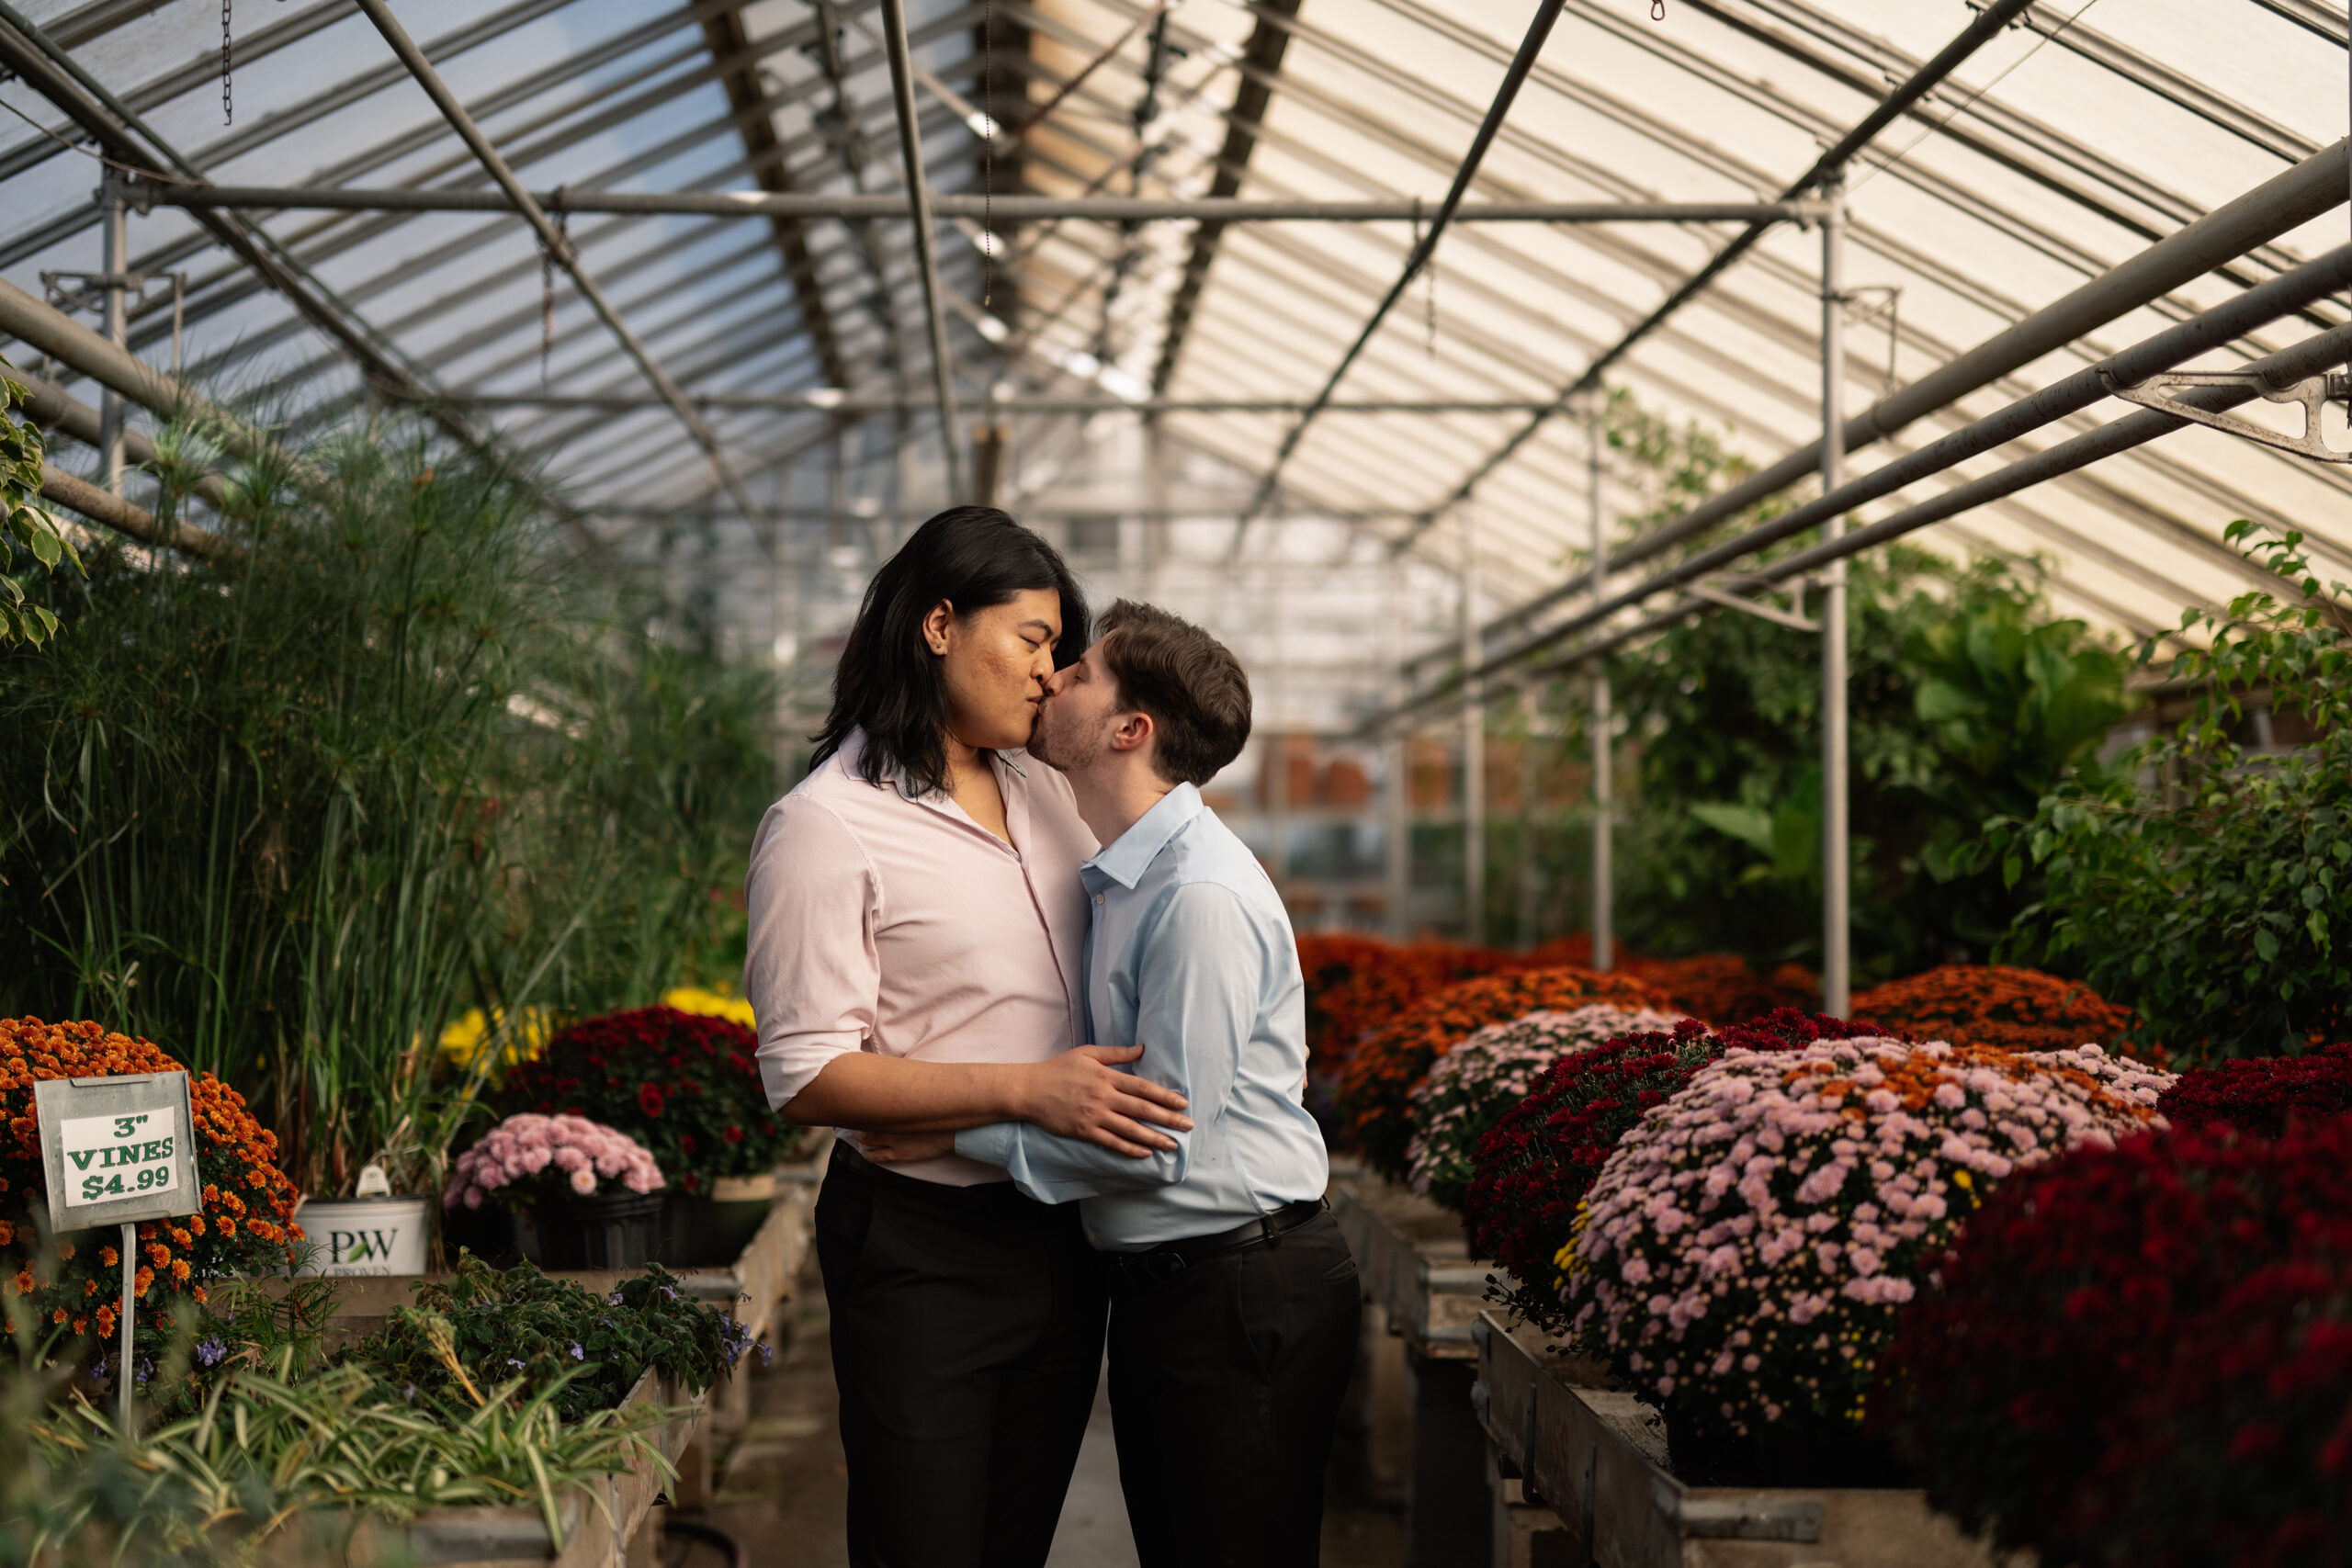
1967 103
1658 10
228 104
92 153
547 284
1430 268
987 155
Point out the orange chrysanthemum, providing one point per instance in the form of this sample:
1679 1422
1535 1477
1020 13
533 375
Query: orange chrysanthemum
1995 1006
1376 1084
232 1150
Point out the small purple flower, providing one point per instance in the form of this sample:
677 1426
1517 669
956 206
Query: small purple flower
211 1353
577 1353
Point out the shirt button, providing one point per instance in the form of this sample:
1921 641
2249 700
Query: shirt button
1098 897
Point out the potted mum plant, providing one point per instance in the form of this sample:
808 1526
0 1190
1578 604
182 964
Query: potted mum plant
584 1196
245 1225
1743 1256
687 1085
1474 1085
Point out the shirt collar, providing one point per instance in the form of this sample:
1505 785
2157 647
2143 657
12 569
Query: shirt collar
1126 858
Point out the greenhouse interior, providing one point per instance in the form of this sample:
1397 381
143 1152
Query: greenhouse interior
744 737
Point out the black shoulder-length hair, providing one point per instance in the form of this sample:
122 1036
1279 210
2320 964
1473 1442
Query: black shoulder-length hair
888 682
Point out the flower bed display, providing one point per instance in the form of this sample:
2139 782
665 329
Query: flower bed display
1533 1169
1992 1004
687 1085
530 1159
245 1225
487 1327
1473 1085
2143 1355
2264 1094
1375 1101
1720 988
1355 983
1745 1251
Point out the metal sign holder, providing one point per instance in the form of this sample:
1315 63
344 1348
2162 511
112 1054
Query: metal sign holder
119 1151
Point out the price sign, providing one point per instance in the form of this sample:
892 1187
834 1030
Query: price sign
117 1151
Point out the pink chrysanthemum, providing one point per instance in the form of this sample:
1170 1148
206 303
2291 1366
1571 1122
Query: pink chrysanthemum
513 1159
1745 1251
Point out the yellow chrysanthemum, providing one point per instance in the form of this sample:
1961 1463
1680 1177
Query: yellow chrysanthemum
462 1040
717 1001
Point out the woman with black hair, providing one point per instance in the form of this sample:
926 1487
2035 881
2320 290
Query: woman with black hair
916 926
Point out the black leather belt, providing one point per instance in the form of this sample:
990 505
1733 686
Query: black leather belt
1163 1263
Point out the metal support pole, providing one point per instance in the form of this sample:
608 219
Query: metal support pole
115 251
1604 797
1531 779
902 86
1005 207
124 1376
1474 749
1836 891
1398 803
558 246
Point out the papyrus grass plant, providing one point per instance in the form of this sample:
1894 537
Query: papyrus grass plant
405 755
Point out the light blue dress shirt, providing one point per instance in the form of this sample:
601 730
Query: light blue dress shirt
1191 955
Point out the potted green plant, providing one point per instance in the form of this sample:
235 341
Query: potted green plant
687 1087
584 1196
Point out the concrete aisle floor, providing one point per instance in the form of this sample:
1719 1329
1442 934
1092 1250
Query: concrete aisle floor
784 1486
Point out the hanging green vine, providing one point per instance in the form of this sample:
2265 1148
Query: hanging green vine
24 528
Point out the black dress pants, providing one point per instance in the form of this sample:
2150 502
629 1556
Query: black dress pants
1226 1384
967 1338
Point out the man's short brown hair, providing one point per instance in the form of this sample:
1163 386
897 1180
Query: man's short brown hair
1188 681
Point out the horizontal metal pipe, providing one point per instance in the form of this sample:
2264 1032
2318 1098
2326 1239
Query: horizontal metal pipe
2311 357
2316 186
825 400
1000 209
2199 335
104 506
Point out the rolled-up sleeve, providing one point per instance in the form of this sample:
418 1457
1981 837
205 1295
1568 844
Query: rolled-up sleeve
811 970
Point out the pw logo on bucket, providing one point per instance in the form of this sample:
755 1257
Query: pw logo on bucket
363 1235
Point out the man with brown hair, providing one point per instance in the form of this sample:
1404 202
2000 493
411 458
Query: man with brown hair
1235 1308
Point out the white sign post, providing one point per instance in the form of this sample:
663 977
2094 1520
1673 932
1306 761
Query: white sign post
117 1151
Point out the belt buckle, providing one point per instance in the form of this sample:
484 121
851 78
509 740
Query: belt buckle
1160 1267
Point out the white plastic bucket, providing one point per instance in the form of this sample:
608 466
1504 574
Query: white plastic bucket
363 1235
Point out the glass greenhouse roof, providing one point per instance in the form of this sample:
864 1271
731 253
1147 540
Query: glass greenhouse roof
1149 374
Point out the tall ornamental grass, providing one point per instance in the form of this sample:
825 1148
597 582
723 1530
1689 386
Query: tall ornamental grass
405 755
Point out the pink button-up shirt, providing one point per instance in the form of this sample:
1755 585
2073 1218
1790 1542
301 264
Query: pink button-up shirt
881 922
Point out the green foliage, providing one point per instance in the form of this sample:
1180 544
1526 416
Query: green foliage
1963 701
24 528
2201 882
267 1446
549 1338
408 753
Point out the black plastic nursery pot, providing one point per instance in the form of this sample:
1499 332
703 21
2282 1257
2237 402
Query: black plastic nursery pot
718 1223
1817 1453
619 1231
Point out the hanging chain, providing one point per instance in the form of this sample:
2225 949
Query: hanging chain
1658 10
989 241
228 104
